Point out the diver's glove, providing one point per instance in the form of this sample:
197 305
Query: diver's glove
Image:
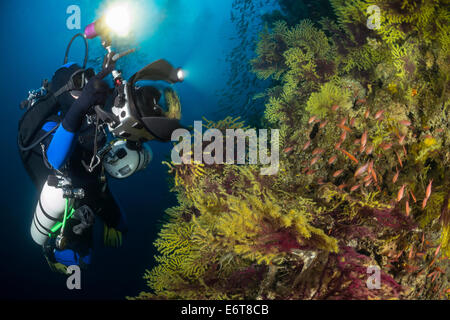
94 93
85 217
112 237
56 266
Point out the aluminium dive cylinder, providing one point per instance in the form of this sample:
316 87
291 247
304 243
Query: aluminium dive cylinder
49 210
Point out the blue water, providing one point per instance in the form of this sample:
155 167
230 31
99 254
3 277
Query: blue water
197 35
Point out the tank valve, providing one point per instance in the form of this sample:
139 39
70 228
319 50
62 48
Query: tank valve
60 242
73 193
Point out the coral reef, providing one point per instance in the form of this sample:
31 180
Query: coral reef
173 104
364 178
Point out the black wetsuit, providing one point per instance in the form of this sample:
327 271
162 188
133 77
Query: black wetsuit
97 194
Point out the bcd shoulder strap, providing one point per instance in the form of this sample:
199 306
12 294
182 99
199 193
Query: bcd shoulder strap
34 118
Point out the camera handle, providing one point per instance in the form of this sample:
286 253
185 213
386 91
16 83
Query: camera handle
109 62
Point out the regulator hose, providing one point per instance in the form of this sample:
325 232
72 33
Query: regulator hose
34 144
86 50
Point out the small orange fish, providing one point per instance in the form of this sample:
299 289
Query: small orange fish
370 166
362 148
432 280
401 139
399 159
401 193
335 108
413 92
338 173
374 176
343 122
314 160
420 254
412 269
439 270
394 180
379 114
369 150
310 172
367 178
367 113
355 187
338 145
332 159
428 193
361 101
349 155
368 183
320 181
411 251
344 127
343 136
412 195
424 203
352 122
437 250
386 146
312 119
307 144
400 254
357 141
361 170
405 122
432 262
342 186
364 138
407 209
318 151
289 149
323 124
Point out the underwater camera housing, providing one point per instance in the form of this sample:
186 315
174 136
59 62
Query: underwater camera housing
135 114
124 158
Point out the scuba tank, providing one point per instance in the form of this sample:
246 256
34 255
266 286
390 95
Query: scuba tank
56 197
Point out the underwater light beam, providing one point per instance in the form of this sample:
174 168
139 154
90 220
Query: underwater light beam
181 74
116 20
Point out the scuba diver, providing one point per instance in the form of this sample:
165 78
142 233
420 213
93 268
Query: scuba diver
63 143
